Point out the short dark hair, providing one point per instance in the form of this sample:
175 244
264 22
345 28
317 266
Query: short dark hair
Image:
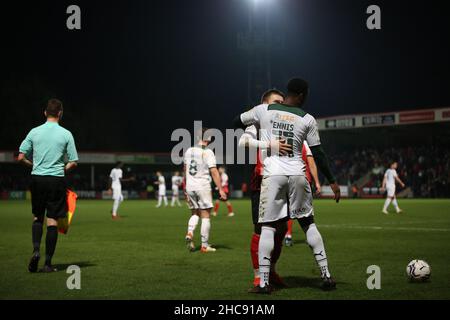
202 135
54 107
270 92
206 136
119 163
298 86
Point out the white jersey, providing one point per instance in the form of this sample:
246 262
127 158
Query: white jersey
161 182
279 121
198 161
176 182
390 176
116 175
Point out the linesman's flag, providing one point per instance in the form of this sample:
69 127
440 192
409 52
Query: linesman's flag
64 224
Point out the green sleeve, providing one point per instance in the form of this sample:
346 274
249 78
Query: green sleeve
322 163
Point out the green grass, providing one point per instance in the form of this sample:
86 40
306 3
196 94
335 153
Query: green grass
143 256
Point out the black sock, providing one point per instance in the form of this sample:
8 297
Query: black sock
50 244
36 235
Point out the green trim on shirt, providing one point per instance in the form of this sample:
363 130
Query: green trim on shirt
282 107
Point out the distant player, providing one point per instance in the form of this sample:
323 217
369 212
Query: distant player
284 179
115 187
311 176
177 181
250 139
224 181
390 177
161 189
199 166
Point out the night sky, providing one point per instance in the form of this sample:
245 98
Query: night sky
139 69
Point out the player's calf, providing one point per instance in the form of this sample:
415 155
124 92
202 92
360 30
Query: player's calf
315 242
266 245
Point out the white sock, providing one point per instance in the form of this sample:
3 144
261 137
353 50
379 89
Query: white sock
165 200
386 204
394 202
314 240
159 201
204 231
266 245
192 224
172 203
115 207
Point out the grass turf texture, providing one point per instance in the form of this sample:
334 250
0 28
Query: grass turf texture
143 256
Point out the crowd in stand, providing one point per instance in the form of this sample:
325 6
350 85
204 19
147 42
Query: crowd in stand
426 169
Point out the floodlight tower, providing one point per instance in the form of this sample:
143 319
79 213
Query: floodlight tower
258 41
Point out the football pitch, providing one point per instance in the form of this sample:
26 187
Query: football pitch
143 255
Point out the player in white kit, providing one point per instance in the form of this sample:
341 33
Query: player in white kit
389 180
199 167
161 189
115 187
176 183
284 178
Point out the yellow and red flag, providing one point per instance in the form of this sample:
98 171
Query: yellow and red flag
64 224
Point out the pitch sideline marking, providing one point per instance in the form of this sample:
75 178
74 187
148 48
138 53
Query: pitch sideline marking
346 226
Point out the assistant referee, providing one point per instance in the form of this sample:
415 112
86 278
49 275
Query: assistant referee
46 149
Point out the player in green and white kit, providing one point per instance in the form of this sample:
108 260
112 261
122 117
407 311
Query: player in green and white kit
284 178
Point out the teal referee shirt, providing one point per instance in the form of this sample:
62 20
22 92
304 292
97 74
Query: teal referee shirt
47 146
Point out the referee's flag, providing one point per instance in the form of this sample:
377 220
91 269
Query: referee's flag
63 224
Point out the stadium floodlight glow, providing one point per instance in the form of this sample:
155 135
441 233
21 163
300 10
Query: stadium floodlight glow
256 2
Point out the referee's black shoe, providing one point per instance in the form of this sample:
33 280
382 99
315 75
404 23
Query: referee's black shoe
34 261
48 269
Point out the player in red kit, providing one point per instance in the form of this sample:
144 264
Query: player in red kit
250 136
311 176
224 180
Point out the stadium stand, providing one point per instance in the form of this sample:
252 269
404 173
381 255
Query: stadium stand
360 149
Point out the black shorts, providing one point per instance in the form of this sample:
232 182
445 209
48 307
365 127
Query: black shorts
255 195
48 195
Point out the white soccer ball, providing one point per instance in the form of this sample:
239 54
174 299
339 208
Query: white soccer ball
418 270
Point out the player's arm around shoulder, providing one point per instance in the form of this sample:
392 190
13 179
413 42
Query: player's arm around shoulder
250 134
250 117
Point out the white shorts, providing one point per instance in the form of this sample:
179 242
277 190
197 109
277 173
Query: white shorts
117 193
280 194
162 191
199 199
175 191
390 191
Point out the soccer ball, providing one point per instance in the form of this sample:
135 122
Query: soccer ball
418 270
